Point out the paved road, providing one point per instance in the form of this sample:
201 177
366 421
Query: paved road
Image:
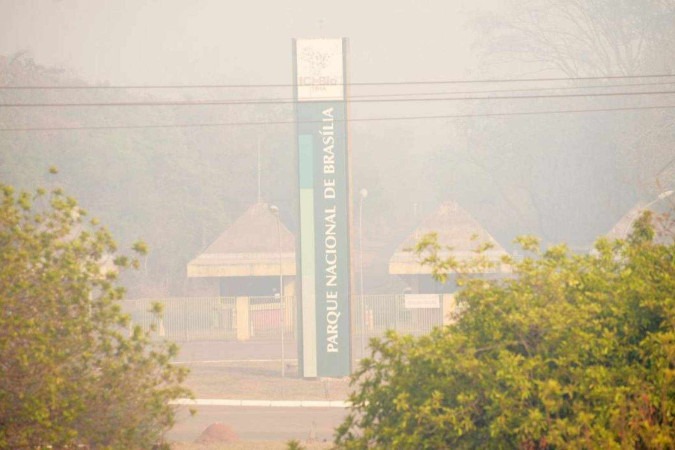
252 423
265 423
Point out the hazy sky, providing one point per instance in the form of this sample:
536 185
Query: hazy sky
140 42
209 41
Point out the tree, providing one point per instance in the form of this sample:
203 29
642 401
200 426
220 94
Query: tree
597 38
584 38
573 351
72 371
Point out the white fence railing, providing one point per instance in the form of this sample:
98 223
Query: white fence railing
250 318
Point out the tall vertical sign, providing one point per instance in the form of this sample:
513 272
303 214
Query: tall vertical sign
324 314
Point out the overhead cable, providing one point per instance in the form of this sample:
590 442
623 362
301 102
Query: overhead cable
350 120
358 100
366 83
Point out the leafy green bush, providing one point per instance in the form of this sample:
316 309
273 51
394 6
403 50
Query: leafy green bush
572 351
72 370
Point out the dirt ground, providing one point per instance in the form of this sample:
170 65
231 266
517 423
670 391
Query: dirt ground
261 381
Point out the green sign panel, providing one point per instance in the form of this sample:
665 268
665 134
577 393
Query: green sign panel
324 312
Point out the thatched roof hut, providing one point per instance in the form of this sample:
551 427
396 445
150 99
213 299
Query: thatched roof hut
664 222
457 229
249 247
623 226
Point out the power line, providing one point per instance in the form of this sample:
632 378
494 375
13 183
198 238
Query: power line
367 83
493 91
364 119
358 100
409 94
489 91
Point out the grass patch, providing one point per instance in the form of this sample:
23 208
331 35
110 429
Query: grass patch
261 381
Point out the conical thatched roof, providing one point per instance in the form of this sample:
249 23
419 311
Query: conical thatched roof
456 228
249 247
664 224
622 228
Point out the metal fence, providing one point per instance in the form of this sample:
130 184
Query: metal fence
268 315
376 314
262 318
186 318
214 318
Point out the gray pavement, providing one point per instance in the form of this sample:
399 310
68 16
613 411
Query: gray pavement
250 422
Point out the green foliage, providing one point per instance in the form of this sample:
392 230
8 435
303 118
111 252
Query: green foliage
72 372
572 351
294 444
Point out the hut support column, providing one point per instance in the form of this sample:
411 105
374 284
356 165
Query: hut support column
243 319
